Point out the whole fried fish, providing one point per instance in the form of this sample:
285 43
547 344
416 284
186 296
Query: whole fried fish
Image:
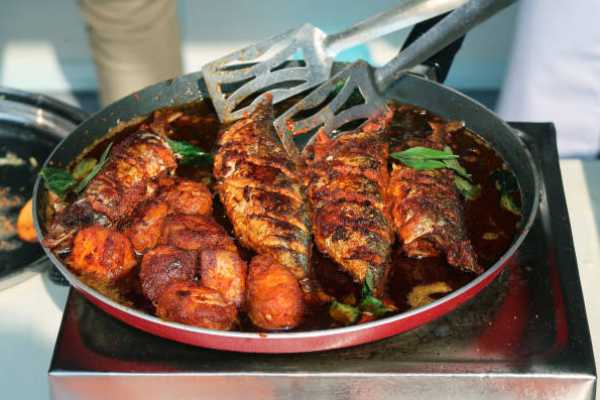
131 174
129 179
261 189
346 183
426 208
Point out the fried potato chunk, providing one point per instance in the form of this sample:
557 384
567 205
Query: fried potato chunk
191 304
274 296
163 266
194 232
225 272
101 253
188 197
145 231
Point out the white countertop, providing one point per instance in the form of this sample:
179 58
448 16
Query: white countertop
30 312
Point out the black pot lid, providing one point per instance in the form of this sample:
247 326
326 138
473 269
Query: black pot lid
30 126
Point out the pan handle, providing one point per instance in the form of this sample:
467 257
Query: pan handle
453 27
406 14
439 64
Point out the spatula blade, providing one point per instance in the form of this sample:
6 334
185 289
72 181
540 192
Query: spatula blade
265 68
348 96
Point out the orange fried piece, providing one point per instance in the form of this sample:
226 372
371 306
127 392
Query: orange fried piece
191 304
25 228
275 300
225 272
145 231
188 197
163 266
130 176
195 232
101 253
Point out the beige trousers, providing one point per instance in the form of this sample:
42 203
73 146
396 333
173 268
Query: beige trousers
134 43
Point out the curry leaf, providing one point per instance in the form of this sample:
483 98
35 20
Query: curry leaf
84 167
506 183
424 158
455 166
343 313
466 188
367 289
99 165
507 202
422 165
420 153
370 303
189 153
57 180
375 306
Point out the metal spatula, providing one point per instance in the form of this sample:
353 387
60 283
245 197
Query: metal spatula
232 80
355 93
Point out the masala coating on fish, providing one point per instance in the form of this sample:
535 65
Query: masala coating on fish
130 177
261 190
426 208
346 183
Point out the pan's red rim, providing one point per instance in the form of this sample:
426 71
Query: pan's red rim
454 296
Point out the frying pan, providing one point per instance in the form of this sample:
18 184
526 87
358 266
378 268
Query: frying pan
411 89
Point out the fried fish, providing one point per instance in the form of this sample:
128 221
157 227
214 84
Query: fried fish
261 189
426 209
346 183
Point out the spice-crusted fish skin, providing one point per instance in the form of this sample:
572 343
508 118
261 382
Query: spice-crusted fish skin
261 189
346 184
426 208
130 176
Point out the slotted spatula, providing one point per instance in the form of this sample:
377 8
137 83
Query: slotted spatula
261 68
355 93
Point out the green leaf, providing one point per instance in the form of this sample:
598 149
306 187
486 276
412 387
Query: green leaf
419 152
506 183
57 180
424 158
367 289
84 167
466 188
103 159
189 153
374 306
422 165
370 303
455 166
343 313
507 202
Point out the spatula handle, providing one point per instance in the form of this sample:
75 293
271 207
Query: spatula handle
452 27
408 13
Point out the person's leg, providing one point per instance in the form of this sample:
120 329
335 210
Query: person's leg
134 43
554 73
